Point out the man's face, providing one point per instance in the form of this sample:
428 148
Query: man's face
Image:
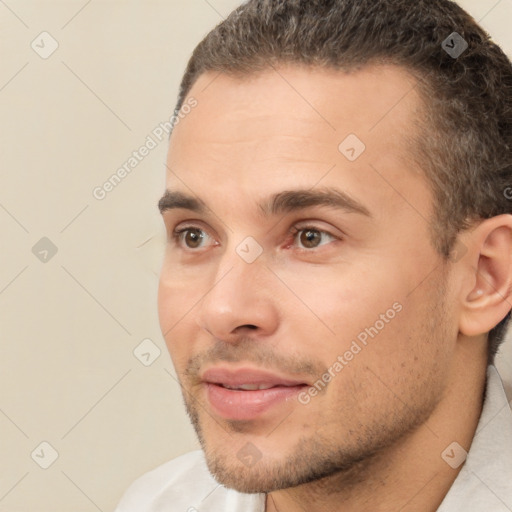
346 297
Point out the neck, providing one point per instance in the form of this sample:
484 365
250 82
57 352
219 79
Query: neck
411 475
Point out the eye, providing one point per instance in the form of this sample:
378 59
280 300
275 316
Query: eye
192 237
310 237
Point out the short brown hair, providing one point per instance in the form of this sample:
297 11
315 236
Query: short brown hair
465 147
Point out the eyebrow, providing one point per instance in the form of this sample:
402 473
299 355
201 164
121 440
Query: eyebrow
283 202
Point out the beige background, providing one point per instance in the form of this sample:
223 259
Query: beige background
69 326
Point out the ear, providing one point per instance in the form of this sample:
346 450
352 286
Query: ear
488 270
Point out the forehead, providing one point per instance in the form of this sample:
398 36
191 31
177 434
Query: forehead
375 96
294 124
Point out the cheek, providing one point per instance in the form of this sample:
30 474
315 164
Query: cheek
341 303
176 302
177 296
370 320
393 365
166 303
401 346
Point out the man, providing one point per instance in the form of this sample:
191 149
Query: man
338 273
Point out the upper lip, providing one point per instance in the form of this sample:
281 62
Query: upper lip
249 376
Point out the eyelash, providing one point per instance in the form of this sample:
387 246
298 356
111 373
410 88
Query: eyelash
177 235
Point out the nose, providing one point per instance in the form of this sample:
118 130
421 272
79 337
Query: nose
241 302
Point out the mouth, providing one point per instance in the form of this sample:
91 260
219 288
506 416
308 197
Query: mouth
247 393
249 387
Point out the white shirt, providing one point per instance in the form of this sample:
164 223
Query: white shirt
484 484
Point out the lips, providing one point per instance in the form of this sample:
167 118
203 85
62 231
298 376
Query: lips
247 377
247 393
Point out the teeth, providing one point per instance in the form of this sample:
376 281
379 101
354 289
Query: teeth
249 387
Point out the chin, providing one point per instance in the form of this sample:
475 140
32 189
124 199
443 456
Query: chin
307 462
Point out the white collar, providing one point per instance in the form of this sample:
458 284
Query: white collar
485 481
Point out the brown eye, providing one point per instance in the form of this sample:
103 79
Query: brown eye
310 238
191 237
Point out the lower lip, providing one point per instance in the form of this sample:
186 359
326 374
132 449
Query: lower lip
248 405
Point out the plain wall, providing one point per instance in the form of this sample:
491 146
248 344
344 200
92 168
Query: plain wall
69 325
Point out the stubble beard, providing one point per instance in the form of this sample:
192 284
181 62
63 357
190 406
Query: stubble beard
327 460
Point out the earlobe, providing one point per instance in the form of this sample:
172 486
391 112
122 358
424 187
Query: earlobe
490 299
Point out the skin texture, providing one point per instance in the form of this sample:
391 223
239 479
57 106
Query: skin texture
373 438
